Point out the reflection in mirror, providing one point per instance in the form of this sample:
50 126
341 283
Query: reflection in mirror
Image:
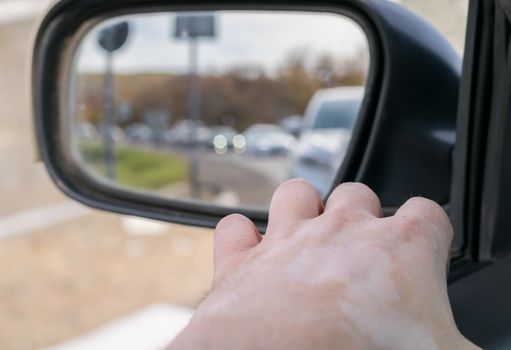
217 107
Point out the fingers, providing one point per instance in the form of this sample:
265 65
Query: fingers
293 202
234 235
353 201
425 219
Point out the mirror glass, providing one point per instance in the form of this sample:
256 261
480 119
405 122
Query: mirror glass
217 107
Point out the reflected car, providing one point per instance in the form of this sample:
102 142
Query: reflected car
117 134
326 133
292 124
182 134
138 133
268 140
87 131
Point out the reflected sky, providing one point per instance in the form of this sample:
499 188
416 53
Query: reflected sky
251 38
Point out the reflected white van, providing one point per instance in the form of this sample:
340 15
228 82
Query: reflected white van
326 132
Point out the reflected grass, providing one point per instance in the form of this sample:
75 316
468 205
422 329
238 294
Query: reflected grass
140 168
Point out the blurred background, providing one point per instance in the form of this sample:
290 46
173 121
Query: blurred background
75 278
216 107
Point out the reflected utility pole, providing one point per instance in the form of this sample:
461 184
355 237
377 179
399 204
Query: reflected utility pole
110 39
194 114
109 118
192 26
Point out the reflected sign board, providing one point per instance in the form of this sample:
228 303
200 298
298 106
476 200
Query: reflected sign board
197 25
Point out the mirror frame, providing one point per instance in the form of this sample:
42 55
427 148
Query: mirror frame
385 24
71 158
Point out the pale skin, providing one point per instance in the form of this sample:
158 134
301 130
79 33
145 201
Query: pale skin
329 276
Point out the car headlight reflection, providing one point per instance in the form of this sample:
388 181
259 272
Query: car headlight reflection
220 143
240 143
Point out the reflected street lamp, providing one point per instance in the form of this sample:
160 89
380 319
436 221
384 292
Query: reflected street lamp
110 39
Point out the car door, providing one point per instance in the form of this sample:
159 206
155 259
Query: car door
481 178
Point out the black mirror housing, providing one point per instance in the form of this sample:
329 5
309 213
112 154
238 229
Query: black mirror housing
402 143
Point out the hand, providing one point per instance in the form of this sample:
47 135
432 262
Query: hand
337 276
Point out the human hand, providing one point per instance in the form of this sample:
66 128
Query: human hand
337 276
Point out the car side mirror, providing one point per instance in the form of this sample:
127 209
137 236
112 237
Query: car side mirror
191 111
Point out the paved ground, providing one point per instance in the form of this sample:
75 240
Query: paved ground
251 179
60 282
152 327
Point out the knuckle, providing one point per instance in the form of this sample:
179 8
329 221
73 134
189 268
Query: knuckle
294 193
423 230
410 226
293 184
354 187
432 214
412 231
335 221
354 195
229 221
344 214
426 206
